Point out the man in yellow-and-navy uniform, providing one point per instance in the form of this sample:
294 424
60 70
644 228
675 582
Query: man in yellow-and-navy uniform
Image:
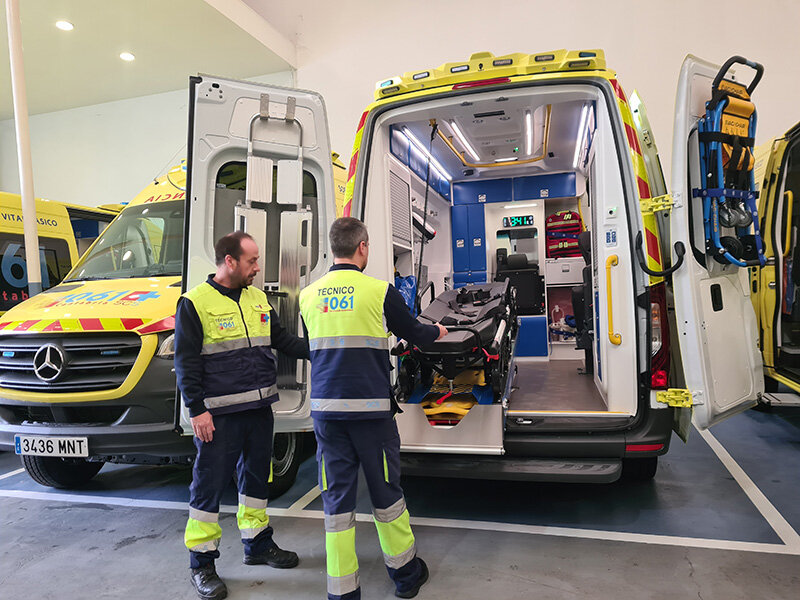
348 317
225 330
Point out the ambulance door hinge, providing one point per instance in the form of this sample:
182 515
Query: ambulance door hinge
657 204
675 397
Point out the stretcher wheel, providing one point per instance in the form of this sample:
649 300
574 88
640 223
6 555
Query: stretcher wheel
727 216
499 369
744 217
407 375
749 247
732 245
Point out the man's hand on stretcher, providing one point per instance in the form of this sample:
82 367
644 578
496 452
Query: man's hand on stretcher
442 331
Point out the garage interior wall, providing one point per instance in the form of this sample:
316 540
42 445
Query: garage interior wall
105 153
344 48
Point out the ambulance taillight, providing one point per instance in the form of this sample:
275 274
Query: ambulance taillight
659 338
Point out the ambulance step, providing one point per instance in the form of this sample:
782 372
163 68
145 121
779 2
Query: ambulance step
512 469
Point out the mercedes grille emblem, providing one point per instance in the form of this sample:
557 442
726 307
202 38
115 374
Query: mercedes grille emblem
48 363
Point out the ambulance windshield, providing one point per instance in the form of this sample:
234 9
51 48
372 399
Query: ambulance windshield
144 241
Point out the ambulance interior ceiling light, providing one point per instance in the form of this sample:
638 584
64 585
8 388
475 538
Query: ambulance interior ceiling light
127 56
579 142
502 160
464 140
528 132
521 205
434 163
65 25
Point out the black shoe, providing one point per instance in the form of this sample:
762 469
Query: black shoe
274 557
423 577
208 584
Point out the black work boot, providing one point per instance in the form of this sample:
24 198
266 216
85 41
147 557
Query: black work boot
208 584
274 557
423 577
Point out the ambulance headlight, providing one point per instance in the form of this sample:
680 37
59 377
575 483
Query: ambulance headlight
166 345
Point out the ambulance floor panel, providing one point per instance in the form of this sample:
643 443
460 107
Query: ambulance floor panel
567 389
722 506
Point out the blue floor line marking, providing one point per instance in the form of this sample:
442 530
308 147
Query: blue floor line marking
767 447
169 483
693 494
676 503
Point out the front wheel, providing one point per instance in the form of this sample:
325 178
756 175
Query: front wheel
287 454
63 473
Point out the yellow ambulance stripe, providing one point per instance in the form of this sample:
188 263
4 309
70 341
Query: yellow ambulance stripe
640 171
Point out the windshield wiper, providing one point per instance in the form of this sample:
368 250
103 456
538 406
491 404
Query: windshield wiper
89 278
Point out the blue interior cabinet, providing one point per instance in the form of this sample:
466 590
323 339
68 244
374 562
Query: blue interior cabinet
469 244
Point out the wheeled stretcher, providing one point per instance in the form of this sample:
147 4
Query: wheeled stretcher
471 363
726 136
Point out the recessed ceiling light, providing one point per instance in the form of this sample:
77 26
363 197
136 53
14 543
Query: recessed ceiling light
127 56
65 25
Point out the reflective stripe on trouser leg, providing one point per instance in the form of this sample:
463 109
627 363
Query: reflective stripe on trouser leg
252 516
340 547
202 531
394 533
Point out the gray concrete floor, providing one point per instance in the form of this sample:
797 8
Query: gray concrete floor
60 550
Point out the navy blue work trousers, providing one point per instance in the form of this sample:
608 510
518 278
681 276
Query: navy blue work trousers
242 443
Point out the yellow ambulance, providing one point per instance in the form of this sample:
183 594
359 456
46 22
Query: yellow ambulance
65 232
86 372
776 287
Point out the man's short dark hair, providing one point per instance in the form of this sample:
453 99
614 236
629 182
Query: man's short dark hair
346 234
230 244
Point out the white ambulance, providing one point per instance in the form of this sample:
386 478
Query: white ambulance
484 159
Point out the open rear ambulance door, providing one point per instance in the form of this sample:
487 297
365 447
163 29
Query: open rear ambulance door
716 322
259 160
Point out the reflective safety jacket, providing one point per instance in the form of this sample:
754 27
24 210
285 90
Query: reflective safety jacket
238 366
348 316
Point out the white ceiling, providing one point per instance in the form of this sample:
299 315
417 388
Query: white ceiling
171 40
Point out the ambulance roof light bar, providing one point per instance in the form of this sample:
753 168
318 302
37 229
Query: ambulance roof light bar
434 163
483 68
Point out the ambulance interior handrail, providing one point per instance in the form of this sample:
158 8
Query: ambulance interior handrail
263 115
614 338
421 293
789 195
680 251
758 67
